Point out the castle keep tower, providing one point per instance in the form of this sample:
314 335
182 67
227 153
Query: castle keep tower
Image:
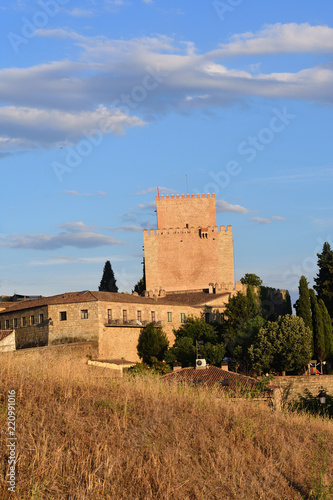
188 251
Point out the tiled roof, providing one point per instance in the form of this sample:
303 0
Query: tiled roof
63 298
211 376
5 333
190 299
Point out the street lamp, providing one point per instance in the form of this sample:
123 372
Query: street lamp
322 397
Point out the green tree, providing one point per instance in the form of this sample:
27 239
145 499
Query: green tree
287 301
303 305
140 287
251 279
318 328
184 348
238 311
108 281
283 345
243 341
328 334
324 279
152 343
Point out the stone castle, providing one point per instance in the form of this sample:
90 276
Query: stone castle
189 272
188 252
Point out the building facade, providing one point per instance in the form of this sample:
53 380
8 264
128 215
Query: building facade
188 251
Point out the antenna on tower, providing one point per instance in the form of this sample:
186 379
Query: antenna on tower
186 184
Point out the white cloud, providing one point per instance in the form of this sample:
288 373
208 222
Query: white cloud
60 101
22 127
76 234
147 206
76 193
261 220
224 206
126 228
63 259
154 190
77 12
281 38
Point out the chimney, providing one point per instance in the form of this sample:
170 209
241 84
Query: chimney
224 365
176 367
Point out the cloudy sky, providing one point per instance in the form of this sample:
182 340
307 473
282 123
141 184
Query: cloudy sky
104 100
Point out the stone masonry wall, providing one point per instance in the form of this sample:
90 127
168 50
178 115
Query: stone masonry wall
297 385
187 260
30 331
176 212
74 326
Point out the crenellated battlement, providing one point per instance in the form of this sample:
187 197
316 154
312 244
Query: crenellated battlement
184 197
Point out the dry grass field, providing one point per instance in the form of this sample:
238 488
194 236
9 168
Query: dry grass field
81 435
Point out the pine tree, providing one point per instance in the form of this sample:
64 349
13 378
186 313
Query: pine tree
303 305
328 333
108 281
318 327
324 279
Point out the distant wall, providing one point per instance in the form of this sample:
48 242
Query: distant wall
81 351
297 385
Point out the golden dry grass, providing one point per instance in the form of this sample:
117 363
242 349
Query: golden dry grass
84 436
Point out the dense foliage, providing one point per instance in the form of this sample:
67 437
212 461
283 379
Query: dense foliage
251 279
285 344
184 349
324 278
108 281
152 343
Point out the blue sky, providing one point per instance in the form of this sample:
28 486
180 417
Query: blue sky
103 101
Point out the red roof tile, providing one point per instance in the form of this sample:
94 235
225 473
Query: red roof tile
211 376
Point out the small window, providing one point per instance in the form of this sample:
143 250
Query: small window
63 315
153 318
169 317
32 320
41 318
24 321
139 315
109 316
15 323
124 316
7 324
182 317
84 314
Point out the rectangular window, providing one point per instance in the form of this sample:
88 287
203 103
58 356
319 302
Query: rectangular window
32 320
182 317
153 318
41 318
7 324
125 316
139 315
84 314
15 323
109 316
63 315
169 317
24 321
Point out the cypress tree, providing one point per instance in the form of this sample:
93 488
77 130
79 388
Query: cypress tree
140 287
324 279
303 306
318 327
327 323
108 281
287 304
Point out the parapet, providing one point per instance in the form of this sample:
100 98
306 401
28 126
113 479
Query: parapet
184 197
